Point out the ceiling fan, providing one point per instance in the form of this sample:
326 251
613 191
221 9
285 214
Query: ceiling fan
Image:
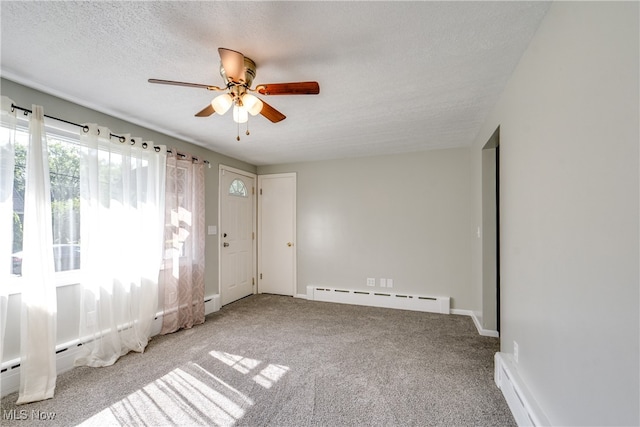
238 73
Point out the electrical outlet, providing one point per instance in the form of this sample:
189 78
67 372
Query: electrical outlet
383 282
515 351
389 283
371 281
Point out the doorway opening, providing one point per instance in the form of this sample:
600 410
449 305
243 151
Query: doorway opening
491 233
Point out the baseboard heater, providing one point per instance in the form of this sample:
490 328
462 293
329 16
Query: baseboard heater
67 353
380 299
523 406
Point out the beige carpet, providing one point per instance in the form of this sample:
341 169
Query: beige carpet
280 361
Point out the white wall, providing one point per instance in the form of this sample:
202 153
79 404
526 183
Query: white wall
68 296
404 217
569 213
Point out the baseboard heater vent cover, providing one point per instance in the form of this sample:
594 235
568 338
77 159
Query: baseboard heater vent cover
67 353
523 406
380 299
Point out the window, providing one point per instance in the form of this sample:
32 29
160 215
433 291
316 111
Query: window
64 173
237 188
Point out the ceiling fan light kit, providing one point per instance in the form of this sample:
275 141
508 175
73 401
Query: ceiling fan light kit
238 73
222 103
240 114
252 104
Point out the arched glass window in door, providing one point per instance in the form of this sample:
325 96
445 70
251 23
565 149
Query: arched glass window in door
237 188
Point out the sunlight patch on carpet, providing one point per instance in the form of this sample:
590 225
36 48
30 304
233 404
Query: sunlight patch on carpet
191 395
270 375
266 377
178 398
239 363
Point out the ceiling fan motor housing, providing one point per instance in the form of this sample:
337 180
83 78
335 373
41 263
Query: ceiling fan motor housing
249 72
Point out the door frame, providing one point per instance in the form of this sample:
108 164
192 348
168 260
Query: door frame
491 196
254 221
294 175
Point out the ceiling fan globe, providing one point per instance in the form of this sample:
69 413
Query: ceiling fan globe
252 104
240 114
222 103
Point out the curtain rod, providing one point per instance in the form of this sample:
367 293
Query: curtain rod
86 129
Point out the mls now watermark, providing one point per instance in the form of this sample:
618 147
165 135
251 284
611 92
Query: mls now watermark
24 415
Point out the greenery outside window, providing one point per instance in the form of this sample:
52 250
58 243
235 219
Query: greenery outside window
64 172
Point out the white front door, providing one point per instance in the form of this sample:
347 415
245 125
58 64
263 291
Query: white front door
236 234
277 234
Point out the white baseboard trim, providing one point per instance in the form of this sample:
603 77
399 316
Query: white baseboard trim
481 330
67 353
301 296
379 298
523 406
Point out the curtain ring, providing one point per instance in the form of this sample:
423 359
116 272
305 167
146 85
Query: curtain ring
157 149
13 108
145 145
85 129
122 139
133 141
25 112
98 131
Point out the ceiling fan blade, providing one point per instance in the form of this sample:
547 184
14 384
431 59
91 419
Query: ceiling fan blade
206 111
233 64
174 83
271 113
297 88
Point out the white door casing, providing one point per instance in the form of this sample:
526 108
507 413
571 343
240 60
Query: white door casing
236 234
277 234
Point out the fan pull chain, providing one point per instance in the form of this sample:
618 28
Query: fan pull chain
238 137
247 132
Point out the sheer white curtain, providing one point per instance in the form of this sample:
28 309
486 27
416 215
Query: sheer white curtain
122 218
182 278
38 312
7 164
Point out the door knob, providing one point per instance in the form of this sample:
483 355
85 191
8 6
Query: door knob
225 244
289 244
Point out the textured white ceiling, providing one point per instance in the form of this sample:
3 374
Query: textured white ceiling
394 76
